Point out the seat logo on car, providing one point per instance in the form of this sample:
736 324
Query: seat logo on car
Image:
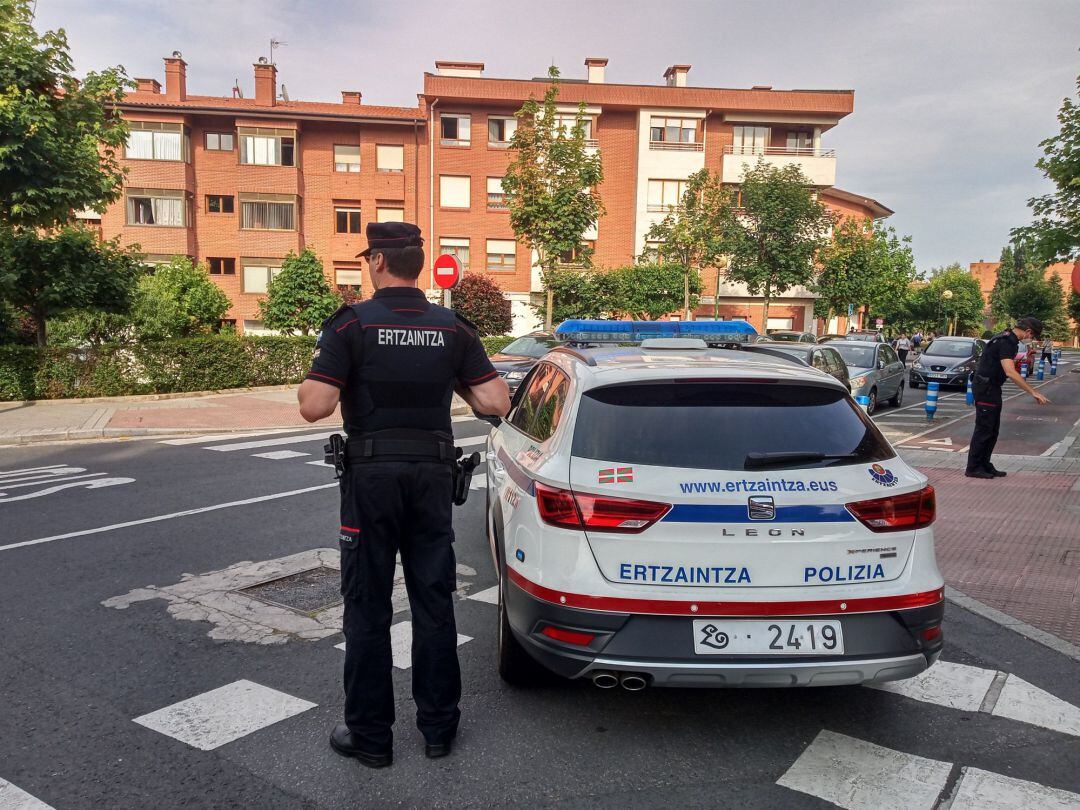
761 507
615 475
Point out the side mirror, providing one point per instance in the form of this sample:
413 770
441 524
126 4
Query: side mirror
494 421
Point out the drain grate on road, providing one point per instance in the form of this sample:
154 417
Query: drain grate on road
308 592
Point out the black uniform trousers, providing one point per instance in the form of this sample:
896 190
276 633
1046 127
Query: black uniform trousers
987 425
387 507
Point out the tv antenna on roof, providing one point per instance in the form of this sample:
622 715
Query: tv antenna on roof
275 43
284 93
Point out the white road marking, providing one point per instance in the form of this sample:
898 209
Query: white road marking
1027 703
858 775
228 437
983 790
956 686
14 798
29 470
280 454
307 437
401 644
479 481
471 441
5 486
156 518
491 595
97 483
217 717
318 463
44 475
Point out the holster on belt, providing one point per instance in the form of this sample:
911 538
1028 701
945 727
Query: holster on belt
463 473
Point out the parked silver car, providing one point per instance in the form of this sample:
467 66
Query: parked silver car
947 360
875 370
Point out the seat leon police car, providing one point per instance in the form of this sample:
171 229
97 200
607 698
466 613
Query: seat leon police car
670 514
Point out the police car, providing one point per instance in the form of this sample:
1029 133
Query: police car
671 514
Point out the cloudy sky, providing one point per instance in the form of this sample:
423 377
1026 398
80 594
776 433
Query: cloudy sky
951 96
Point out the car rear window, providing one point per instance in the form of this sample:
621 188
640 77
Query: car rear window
714 425
950 348
858 356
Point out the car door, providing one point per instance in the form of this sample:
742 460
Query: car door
837 367
894 370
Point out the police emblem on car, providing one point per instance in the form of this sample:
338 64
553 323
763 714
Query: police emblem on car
760 507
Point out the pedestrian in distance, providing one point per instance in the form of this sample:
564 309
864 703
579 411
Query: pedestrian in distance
903 346
1048 349
394 362
996 364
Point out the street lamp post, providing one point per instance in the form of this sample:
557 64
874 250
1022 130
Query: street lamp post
947 295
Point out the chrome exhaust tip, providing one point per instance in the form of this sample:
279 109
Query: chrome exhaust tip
605 680
633 682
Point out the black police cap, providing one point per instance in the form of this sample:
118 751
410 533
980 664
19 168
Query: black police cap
391 235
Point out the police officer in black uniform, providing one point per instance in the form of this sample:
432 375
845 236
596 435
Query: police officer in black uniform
394 361
995 365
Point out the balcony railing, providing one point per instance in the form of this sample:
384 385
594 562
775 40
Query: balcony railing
793 151
592 142
496 202
677 146
454 142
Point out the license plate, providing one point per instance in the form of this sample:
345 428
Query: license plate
712 637
939 376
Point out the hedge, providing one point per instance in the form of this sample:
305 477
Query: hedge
209 363
496 343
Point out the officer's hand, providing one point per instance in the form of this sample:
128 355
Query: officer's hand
1040 399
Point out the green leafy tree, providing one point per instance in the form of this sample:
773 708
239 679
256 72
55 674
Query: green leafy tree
575 293
649 291
178 300
1017 266
551 185
1073 310
299 298
779 230
951 302
58 136
1055 233
481 300
693 235
1039 297
91 326
47 275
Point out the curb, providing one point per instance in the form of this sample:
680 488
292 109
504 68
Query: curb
149 397
1011 623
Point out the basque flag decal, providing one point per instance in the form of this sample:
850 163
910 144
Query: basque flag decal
615 475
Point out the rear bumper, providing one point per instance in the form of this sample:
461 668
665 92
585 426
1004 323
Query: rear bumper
879 646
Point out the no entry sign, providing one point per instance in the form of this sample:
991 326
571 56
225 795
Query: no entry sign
446 271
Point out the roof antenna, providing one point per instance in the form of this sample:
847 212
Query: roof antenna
275 43
236 91
284 93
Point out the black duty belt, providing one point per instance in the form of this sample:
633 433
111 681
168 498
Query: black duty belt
406 445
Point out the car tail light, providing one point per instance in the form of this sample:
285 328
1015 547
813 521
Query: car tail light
931 633
598 513
896 513
568 636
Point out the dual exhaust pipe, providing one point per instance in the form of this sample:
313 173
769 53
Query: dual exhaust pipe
630 681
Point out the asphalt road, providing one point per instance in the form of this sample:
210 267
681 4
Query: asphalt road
75 674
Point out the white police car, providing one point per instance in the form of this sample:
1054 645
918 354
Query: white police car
675 515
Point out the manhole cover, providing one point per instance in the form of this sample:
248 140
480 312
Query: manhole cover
308 592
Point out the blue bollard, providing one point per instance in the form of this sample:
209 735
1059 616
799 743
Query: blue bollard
1057 354
1039 375
1053 367
932 390
969 397
1024 370
864 401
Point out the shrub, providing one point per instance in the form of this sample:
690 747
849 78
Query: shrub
179 300
480 299
493 344
299 298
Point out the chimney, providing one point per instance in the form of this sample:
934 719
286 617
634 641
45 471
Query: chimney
265 83
148 86
596 65
467 69
351 96
676 75
175 77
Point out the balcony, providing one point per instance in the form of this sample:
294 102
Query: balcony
676 146
817 164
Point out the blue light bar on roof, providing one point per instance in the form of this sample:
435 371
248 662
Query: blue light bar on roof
589 331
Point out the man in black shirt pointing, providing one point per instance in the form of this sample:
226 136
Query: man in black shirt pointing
394 362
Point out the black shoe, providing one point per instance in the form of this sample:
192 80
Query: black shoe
344 742
980 474
994 471
434 751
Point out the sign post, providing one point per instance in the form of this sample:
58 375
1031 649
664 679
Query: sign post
446 272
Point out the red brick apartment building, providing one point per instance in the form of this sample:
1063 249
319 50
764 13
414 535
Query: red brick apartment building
986 274
239 182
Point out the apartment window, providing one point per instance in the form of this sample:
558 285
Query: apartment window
389 214
389 157
564 124
577 255
454 191
347 220
159 207
500 130
800 141
652 250
219 204
496 196
220 141
346 158
456 247
267 212
221 266
454 130
257 275
152 261
673 130
260 146
665 194
749 140
348 274
153 141
501 255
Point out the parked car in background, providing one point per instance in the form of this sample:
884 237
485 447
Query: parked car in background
1027 353
789 336
876 371
871 337
518 357
823 358
947 360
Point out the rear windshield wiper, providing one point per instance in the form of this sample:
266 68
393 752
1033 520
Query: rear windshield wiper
754 460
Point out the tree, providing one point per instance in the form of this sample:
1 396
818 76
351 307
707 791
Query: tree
1055 233
951 302
480 299
1073 309
58 136
1016 267
649 291
551 184
299 298
693 234
575 293
1041 298
178 300
49 274
778 232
